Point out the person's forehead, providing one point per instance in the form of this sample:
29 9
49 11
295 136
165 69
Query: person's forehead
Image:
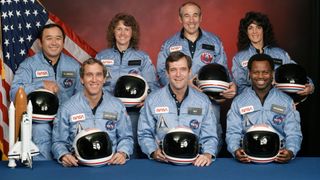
51 30
95 68
182 62
263 63
190 8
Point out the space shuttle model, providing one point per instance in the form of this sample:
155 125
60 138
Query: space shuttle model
20 119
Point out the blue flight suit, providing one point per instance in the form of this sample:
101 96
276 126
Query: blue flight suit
31 74
160 113
208 49
130 61
278 111
110 116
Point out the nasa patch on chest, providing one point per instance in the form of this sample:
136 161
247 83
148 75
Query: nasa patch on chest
107 62
175 48
246 109
42 73
78 117
161 110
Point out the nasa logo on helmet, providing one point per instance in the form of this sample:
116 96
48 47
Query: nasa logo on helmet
180 146
45 105
291 78
93 147
213 79
131 89
261 143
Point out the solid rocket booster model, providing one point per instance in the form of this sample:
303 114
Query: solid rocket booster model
20 103
24 148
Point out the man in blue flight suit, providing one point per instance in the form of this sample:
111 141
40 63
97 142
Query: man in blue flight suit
92 108
52 70
203 47
263 104
176 105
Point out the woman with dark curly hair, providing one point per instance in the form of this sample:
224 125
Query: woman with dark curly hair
256 36
122 58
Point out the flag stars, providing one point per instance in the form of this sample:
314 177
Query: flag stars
29 38
18 13
27 12
35 12
7 55
2 2
17 1
6 28
28 25
25 1
6 42
21 40
4 15
22 52
20 26
9 2
10 14
38 24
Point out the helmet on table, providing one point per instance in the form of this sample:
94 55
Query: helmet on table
261 143
131 89
93 147
213 79
45 105
180 146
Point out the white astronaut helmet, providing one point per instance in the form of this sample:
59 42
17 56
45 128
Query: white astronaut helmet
45 105
180 146
93 147
261 143
131 89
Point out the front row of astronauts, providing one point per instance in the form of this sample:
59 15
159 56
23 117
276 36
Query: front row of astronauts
177 123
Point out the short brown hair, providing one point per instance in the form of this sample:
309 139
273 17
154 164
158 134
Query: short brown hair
89 62
176 56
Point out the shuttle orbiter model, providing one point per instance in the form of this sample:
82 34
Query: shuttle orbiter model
24 148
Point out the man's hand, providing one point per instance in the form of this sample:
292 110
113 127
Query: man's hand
158 156
204 159
231 92
192 83
68 160
241 156
51 86
309 88
118 158
284 156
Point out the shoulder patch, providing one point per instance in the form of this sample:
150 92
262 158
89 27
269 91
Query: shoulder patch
244 63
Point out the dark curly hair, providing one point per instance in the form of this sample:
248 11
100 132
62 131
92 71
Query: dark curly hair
128 20
260 20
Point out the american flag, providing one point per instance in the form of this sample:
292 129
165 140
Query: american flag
20 23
